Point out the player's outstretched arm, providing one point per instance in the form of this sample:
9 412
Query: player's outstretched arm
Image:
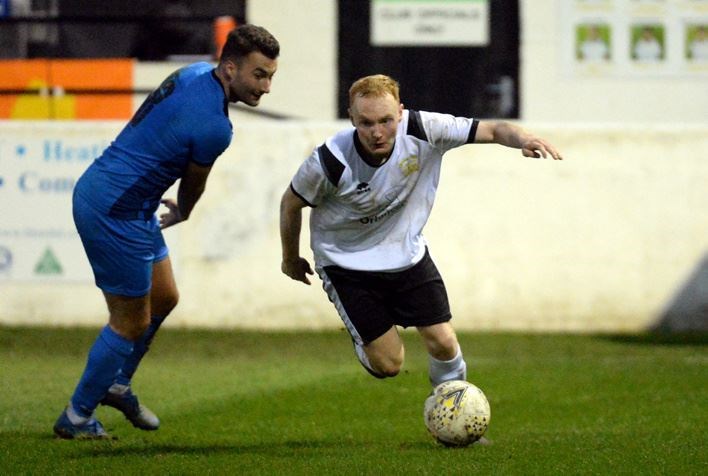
293 265
191 187
514 136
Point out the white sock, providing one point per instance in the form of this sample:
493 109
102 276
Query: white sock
443 370
74 417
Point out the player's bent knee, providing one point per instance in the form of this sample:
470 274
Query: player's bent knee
138 329
447 345
130 332
174 300
128 316
444 353
391 372
166 304
388 372
441 344
163 300
388 367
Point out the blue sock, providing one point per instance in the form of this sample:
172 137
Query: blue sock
105 359
141 347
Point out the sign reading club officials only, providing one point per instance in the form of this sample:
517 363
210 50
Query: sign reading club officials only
429 22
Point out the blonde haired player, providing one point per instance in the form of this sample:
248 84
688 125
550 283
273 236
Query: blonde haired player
371 189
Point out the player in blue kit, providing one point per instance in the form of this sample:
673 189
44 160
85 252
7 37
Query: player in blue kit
177 134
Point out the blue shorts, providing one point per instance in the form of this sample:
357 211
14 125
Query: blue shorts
121 252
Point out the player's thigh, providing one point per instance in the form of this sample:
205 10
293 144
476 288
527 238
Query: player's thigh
121 252
360 302
440 340
419 297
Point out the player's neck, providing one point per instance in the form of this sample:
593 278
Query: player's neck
368 157
222 79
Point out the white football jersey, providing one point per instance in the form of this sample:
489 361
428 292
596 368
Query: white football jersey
371 218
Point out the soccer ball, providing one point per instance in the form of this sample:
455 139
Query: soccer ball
457 413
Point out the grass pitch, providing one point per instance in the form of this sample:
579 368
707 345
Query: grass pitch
299 403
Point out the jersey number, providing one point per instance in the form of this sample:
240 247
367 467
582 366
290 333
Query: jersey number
166 88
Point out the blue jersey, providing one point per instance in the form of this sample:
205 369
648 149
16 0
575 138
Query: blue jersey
185 119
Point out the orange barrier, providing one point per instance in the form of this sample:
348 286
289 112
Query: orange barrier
222 26
52 78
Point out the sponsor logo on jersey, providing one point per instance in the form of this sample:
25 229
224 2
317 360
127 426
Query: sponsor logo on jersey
363 187
408 165
376 218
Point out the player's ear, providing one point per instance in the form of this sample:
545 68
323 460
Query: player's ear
351 116
229 70
400 109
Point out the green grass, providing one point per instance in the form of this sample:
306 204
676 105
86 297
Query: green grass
299 403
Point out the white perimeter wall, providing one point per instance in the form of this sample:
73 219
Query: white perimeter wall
600 241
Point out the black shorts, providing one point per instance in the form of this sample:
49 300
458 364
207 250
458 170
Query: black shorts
371 302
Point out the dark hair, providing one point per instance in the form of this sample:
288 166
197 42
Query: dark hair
249 38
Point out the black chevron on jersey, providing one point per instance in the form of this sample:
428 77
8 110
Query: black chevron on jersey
473 132
415 126
332 167
379 229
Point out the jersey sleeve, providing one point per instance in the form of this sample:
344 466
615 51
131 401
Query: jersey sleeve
310 182
209 139
445 131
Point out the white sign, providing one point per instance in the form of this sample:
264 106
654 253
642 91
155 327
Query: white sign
39 165
40 162
429 22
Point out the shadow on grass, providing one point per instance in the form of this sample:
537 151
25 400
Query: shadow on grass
279 449
119 447
659 338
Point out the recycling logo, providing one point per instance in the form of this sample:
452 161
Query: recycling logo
48 264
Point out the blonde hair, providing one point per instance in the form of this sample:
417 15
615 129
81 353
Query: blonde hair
377 85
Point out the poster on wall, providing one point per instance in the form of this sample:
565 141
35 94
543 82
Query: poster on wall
635 37
38 170
40 163
429 23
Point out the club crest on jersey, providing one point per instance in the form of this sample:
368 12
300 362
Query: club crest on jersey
408 165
